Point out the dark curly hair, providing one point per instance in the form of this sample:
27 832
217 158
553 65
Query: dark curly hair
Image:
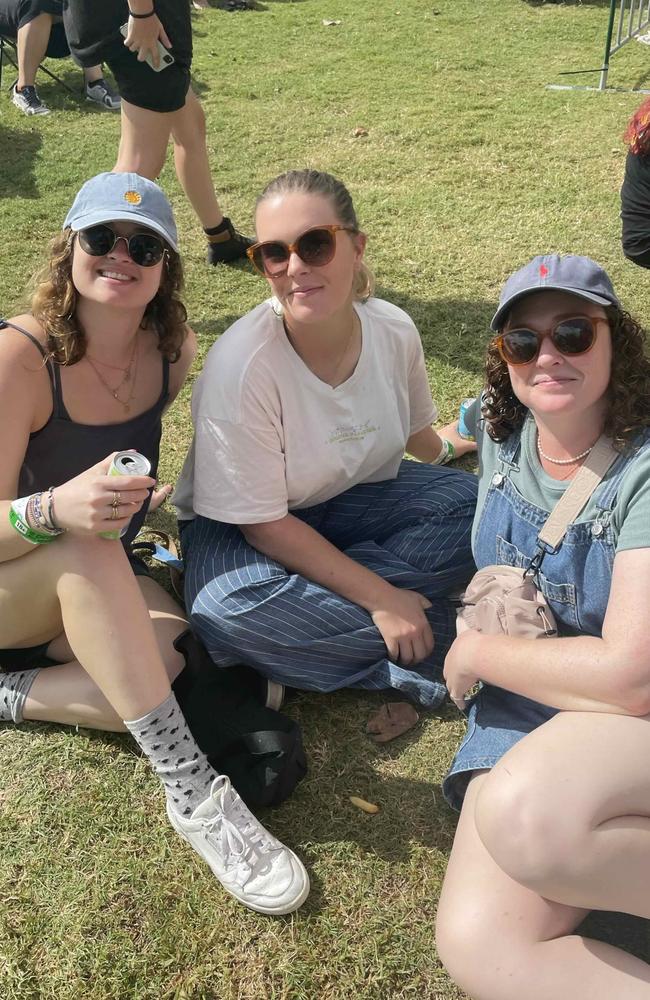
628 391
54 300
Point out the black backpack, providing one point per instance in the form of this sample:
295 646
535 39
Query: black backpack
258 748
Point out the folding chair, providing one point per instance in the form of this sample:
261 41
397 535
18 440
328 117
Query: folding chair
9 52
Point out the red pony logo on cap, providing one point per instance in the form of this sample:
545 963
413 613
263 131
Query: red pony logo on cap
543 271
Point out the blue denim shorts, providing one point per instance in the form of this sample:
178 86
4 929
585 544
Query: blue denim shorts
496 720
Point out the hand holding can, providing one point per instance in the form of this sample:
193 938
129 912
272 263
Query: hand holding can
124 463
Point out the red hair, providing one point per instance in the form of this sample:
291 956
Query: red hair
637 133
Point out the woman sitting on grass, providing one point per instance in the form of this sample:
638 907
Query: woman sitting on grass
85 638
313 551
560 825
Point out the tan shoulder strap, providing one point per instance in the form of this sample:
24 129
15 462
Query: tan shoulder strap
573 501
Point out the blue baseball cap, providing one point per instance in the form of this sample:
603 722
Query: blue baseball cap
123 198
579 276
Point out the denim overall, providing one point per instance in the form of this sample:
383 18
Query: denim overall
575 579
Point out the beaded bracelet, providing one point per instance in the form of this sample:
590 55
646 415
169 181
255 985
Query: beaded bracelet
447 453
51 516
36 518
141 17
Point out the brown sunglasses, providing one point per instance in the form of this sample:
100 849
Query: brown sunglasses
571 337
315 247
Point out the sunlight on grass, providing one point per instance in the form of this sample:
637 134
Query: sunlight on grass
469 167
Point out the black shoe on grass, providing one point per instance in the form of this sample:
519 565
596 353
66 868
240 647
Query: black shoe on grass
226 244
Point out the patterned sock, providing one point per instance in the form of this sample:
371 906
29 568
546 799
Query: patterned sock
14 688
164 737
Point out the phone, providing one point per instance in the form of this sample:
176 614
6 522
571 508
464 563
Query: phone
164 55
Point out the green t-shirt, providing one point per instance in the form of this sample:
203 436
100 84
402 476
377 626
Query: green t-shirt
630 520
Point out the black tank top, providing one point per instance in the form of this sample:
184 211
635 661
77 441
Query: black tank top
62 449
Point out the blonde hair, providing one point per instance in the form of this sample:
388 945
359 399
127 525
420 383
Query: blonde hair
54 303
323 184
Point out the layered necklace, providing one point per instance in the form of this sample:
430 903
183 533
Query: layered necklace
129 376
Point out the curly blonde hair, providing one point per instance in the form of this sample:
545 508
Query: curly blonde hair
628 391
327 186
54 302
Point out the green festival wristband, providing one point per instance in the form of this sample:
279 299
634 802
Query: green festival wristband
18 521
447 453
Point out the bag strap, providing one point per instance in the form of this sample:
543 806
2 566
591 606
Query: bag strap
573 501
261 742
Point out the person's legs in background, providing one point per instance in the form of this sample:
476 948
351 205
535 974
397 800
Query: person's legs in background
32 39
39 33
143 148
155 107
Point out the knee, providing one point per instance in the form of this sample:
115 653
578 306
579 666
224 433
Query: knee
465 945
534 839
190 133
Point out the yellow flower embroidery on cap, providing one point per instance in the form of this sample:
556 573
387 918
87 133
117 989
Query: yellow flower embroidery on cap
132 197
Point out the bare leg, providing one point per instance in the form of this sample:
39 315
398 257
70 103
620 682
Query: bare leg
567 812
143 141
143 148
192 163
66 694
85 587
92 74
31 43
501 941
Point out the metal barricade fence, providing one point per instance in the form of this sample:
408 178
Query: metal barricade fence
628 19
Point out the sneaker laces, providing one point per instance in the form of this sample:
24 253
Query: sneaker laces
244 842
31 96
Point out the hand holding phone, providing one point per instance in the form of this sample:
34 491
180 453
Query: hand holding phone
165 58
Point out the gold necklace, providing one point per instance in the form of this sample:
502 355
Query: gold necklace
126 377
117 368
341 356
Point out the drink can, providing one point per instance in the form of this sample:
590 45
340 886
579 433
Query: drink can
127 463
463 429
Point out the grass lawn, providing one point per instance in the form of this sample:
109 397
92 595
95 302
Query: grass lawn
469 167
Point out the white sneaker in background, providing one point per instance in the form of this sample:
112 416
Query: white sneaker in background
28 101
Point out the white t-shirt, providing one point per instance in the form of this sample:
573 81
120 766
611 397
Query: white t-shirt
270 436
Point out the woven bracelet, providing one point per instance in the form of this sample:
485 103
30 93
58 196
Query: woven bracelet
141 17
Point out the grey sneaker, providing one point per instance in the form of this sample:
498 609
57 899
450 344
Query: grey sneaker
100 92
249 862
28 101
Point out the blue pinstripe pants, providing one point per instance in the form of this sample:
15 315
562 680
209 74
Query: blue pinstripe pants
414 531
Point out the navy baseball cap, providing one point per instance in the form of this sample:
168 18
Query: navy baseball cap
580 276
123 198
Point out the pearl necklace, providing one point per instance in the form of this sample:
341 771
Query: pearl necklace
563 461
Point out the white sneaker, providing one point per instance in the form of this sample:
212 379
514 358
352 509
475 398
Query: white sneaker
28 101
249 862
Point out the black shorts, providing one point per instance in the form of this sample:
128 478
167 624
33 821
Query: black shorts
94 37
15 14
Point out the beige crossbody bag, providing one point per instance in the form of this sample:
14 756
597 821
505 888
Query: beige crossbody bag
506 599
